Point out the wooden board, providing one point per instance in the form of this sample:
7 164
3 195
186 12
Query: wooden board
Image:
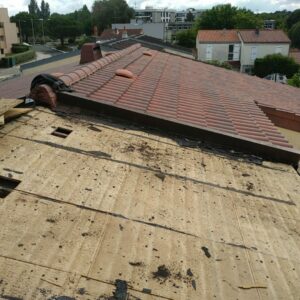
7 104
16 112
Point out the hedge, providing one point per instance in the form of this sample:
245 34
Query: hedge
19 48
20 57
275 63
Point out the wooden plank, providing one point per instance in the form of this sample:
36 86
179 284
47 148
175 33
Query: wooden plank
16 112
2 122
7 104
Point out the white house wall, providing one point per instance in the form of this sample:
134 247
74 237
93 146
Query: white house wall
219 51
261 51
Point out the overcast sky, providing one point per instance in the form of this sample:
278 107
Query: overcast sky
15 6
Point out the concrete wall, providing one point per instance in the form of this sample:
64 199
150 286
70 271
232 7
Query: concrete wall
261 51
219 51
8 32
155 30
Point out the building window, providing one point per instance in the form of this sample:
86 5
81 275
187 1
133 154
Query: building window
2 51
209 52
230 52
278 50
253 53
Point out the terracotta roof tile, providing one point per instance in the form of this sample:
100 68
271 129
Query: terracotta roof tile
218 36
264 36
190 92
109 34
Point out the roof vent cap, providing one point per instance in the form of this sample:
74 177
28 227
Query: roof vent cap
124 73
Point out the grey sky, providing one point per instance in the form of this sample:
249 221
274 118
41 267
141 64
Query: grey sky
15 6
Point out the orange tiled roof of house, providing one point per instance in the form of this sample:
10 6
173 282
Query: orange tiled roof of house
218 36
263 36
109 34
186 92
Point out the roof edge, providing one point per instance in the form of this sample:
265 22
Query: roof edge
229 141
90 68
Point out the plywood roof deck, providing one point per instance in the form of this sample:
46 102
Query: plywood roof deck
112 201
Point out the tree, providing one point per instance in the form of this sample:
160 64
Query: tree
45 10
23 21
246 19
106 12
293 18
189 17
61 27
280 18
294 35
83 17
275 63
219 17
33 8
186 38
295 80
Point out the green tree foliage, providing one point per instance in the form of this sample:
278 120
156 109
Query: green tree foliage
294 35
295 80
189 17
62 27
45 10
83 18
33 8
186 38
106 12
227 16
275 63
280 18
219 17
246 19
293 18
23 21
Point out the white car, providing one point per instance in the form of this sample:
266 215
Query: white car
276 77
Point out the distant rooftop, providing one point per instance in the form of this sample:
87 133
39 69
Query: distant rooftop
264 36
217 36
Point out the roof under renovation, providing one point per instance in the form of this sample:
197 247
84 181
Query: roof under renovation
112 209
183 91
103 205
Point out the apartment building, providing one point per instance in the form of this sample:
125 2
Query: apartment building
8 32
155 15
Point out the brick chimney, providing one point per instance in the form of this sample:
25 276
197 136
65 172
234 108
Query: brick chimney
90 52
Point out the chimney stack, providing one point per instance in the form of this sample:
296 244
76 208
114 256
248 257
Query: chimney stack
90 52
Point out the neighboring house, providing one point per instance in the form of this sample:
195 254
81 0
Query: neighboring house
259 43
240 46
8 32
222 45
118 34
156 30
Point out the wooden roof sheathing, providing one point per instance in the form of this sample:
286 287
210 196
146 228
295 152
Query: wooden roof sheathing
113 202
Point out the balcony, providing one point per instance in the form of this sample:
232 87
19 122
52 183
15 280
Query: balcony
1 31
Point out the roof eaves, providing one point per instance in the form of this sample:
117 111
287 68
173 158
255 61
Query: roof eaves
227 140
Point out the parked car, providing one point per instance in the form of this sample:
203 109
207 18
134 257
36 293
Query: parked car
276 77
